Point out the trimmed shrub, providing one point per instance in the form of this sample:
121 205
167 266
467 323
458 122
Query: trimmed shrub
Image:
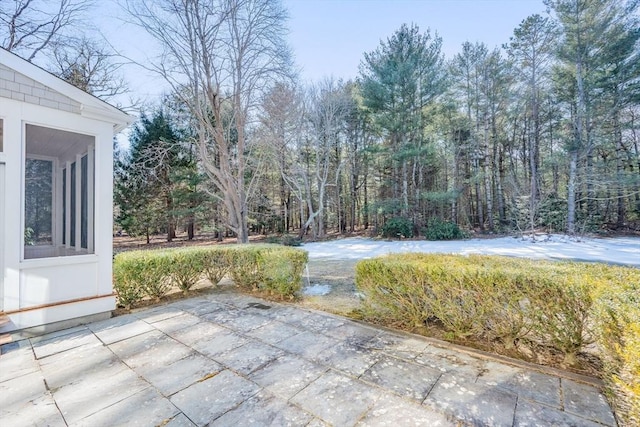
562 299
562 305
158 274
282 270
275 268
438 229
148 270
395 290
507 317
152 273
126 281
397 228
617 331
186 266
243 266
483 296
216 265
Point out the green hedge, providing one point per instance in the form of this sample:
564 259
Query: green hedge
152 273
563 305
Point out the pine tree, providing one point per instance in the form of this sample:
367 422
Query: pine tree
399 80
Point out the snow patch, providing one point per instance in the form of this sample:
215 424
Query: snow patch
316 289
617 250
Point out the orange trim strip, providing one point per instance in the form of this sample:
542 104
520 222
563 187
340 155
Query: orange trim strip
39 307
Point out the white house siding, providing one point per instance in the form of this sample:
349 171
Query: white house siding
14 85
64 289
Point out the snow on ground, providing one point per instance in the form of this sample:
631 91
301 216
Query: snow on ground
316 289
618 250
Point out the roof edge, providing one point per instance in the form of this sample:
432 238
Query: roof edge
90 105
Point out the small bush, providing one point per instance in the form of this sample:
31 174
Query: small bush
126 281
243 266
552 213
455 300
438 229
186 267
397 228
562 299
617 331
148 270
289 240
158 274
397 288
282 270
216 265
285 240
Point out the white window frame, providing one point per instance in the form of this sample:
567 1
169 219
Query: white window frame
57 201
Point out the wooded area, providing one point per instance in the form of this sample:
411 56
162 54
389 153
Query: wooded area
543 133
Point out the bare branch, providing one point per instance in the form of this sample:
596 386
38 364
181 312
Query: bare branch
28 27
218 56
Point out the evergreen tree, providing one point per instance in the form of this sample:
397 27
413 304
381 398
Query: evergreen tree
531 48
150 185
596 35
399 81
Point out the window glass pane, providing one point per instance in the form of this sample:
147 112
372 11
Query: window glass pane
84 204
72 189
59 191
38 202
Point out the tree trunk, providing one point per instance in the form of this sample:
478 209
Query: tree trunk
501 175
454 187
573 162
621 211
366 203
191 229
171 227
533 160
479 207
487 176
571 192
405 189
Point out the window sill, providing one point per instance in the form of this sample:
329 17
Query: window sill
59 260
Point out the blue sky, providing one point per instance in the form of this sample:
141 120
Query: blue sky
330 37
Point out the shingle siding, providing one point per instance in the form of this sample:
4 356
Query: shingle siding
14 85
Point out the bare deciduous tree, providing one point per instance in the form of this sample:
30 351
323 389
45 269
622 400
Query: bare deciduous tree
90 66
220 56
281 122
31 26
311 164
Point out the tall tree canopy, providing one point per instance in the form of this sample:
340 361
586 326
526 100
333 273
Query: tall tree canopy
399 81
543 133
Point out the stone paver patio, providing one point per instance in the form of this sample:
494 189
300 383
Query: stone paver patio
233 360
